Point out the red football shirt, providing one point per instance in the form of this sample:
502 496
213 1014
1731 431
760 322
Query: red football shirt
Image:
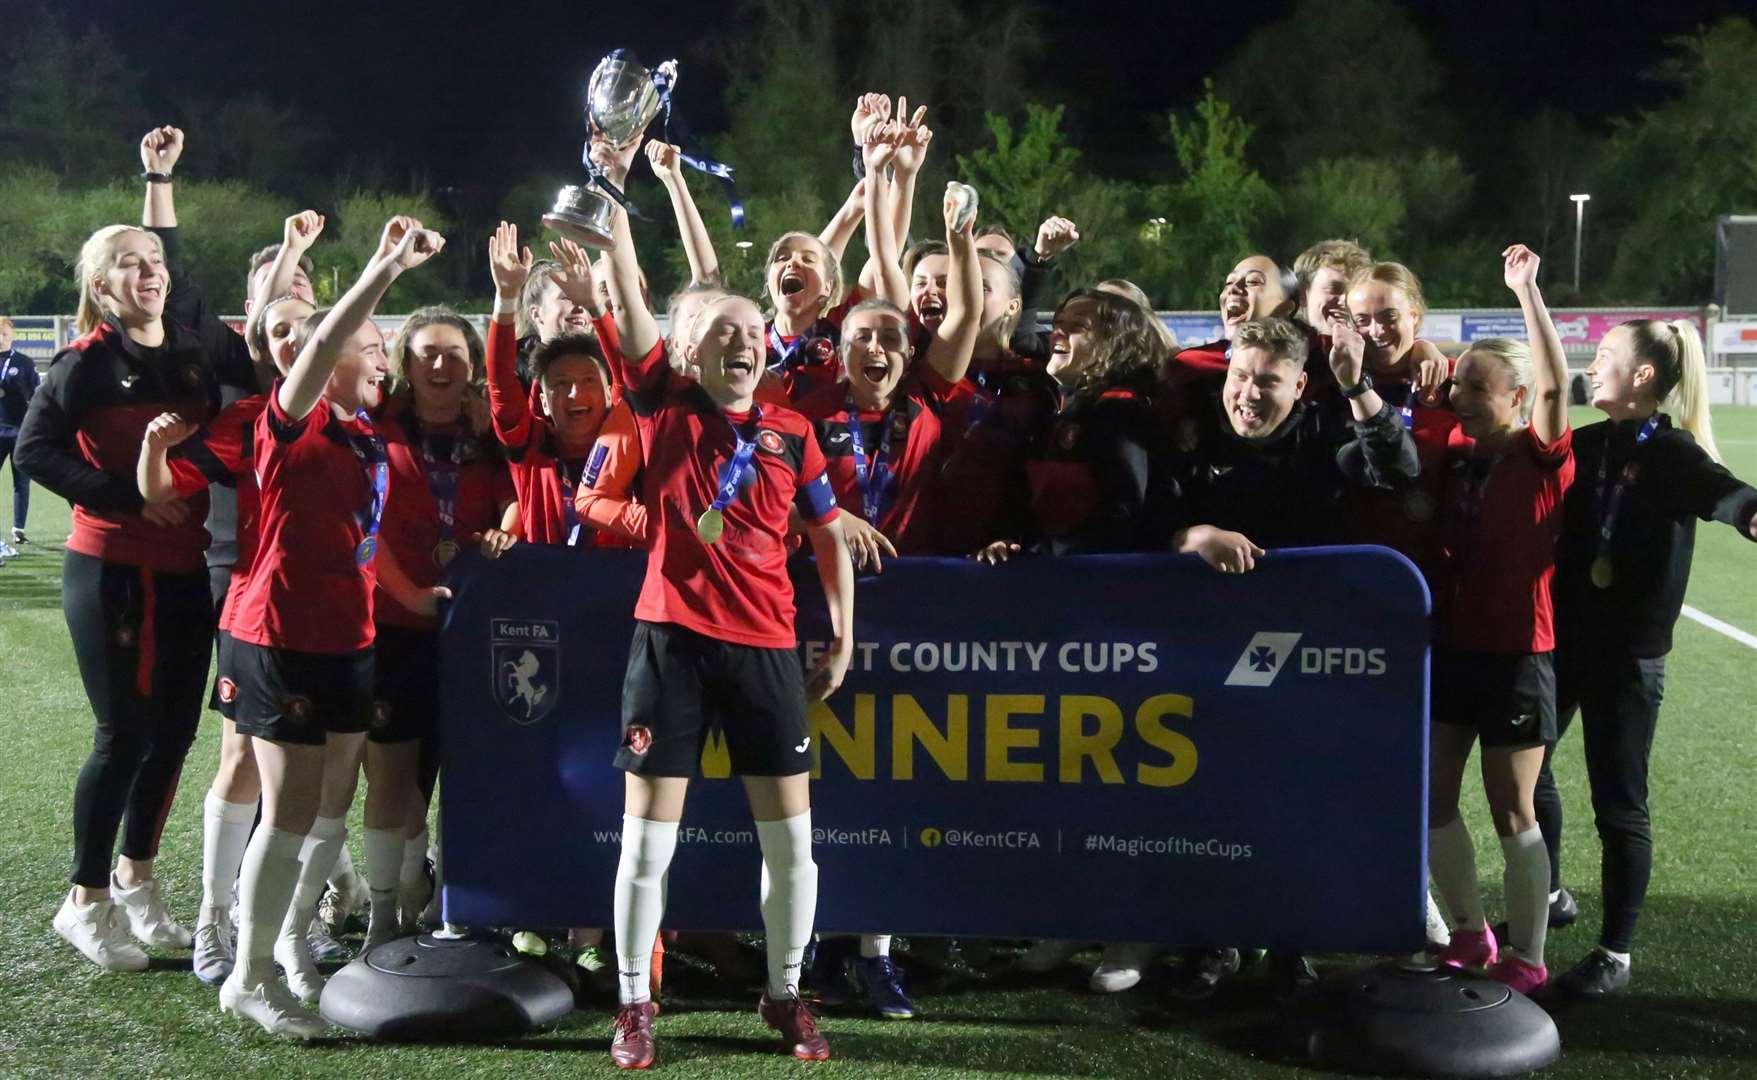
424 462
223 452
307 591
735 590
1501 519
1003 405
544 483
907 485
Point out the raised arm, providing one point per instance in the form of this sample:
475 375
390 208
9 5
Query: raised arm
841 228
404 244
949 352
509 408
639 330
880 150
1549 365
913 136
698 246
298 233
159 150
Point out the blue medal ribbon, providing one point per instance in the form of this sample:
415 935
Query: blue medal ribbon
444 472
369 449
568 513
788 354
732 477
876 481
663 76
1611 503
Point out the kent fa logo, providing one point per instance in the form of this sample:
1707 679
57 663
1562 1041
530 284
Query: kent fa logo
1262 659
526 659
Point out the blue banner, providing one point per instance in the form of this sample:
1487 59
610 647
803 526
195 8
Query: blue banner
1129 748
34 336
1192 330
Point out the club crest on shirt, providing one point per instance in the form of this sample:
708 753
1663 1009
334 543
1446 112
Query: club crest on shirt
768 441
638 739
526 664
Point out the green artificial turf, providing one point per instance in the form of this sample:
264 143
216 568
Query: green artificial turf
1691 1012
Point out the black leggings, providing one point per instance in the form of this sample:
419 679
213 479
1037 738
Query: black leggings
141 639
1618 697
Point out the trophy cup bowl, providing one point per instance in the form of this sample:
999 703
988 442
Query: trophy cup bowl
621 100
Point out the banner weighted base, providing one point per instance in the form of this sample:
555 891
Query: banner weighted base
1396 1019
431 988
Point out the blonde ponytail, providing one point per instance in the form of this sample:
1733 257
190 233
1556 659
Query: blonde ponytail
1680 366
95 256
1688 400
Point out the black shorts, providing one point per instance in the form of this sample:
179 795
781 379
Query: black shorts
219 580
298 697
405 693
224 699
681 685
1509 700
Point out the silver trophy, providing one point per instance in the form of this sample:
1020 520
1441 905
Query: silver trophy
621 100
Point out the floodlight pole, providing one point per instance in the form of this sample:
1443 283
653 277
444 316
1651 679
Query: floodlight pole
1579 229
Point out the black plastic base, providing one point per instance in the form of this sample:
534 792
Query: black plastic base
425 988
1397 1019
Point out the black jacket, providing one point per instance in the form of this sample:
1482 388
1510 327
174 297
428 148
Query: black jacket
1674 482
1284 490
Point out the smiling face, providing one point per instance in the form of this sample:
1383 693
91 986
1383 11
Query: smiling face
927 290
1620 382
728 355
134 284
1485 396
575 398
1000 301
875 354
1252 291
554 314
280 328
1388 320
1260 391
1328 292
799 276
1073 344
5 334
358 379
437 365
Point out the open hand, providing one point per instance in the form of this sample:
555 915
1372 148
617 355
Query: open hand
913 136
508 264
996 553
866 545
1520 265
575 276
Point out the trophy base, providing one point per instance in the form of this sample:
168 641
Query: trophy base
581 229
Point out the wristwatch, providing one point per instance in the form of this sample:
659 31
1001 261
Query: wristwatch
1359 388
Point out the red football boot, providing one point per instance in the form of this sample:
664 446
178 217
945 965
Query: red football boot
794 1021
632 1045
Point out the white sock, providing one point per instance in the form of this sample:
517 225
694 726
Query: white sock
1438 930
383 849
1526 887
1555 895
1620 957
414 859
1452 862
317 858
225 830
639 904
789 894
873 946
266 882
342 875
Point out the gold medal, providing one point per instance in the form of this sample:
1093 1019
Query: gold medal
1602 572
367 549
444 552
710 525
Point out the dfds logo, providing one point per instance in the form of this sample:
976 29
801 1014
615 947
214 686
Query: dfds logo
1269 652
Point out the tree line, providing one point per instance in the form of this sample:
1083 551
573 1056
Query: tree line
1252 164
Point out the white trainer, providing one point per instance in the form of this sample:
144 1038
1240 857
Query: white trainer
293 953
99 931
214 955
271 1005
1121 967
147 917
1049 955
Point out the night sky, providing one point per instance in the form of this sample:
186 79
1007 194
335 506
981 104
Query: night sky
439 82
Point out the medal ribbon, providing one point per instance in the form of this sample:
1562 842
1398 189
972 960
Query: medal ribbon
369 449
1611 503
568 513
443 476
877 480
733 477
663 77
787 353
